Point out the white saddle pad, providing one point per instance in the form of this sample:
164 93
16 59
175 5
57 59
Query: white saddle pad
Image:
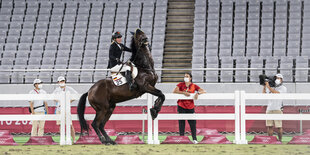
119 79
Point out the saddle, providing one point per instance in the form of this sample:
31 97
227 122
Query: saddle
117 78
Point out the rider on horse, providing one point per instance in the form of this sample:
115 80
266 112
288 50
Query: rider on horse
103 95
115 52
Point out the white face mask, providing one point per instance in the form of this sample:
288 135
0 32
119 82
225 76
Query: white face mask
186 79
40 86
61 84
278 82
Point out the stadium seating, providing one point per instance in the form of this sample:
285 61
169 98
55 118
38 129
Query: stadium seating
70 35
262 31
77 34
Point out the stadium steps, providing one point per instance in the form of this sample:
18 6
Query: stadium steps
177 61
179 19
179 39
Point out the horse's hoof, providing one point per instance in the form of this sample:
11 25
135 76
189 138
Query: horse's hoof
153 113
110 143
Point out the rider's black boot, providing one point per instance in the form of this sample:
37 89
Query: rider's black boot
129 80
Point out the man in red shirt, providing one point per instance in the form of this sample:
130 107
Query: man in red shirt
188 106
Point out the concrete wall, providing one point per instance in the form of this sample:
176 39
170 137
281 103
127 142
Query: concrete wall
166 88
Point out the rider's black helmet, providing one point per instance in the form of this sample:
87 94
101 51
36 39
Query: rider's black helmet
116 35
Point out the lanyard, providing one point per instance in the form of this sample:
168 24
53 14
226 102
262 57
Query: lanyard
36 91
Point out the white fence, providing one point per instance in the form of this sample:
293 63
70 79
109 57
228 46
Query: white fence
219 116
255 96
30 97
239 116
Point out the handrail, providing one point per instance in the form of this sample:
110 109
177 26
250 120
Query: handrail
157 69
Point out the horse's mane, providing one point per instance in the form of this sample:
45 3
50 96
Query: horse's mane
133 49
141 59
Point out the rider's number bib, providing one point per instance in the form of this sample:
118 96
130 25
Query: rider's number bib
118 79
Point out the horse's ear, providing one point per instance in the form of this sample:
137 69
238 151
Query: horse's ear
132 33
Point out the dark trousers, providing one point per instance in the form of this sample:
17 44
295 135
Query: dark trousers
192 123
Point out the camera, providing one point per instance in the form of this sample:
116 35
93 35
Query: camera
270 79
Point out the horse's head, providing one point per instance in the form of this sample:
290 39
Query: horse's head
139 40
140 49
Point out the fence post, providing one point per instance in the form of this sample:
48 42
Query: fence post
149 119
62 118
237 117
143 125
156 141
68 119
242 118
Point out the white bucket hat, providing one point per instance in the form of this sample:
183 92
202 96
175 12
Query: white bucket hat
61 78
279 76
35 81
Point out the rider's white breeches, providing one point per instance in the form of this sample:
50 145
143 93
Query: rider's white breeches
117 68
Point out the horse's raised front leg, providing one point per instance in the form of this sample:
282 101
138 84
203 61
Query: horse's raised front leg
158 102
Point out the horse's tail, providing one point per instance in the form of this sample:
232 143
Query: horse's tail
81 111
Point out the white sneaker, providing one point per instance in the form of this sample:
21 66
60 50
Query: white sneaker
195 141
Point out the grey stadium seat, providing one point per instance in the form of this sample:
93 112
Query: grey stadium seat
30 76
271 65
256 62
226 75
301 75
241 75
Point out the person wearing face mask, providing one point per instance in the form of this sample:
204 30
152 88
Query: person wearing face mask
275 106
62 87
187 106
38 107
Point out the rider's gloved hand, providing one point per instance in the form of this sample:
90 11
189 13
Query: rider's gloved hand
122 46
118 61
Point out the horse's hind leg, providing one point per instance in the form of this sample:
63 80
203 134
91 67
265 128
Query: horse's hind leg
102 124
95 125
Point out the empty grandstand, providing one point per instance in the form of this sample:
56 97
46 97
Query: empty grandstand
227 37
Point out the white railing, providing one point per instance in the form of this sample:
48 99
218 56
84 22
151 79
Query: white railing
27 97
255 96
142 117
64 98
239 116
219 116
157 69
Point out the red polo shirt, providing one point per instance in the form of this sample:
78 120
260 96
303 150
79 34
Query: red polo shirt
187 104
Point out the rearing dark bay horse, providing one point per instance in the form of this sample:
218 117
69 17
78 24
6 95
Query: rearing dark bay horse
104 95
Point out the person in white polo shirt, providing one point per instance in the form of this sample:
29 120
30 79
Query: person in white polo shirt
63 88
275 106
38 107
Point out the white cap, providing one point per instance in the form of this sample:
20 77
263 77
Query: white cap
61 78
279 76
37 81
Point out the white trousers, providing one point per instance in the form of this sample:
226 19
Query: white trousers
117 68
